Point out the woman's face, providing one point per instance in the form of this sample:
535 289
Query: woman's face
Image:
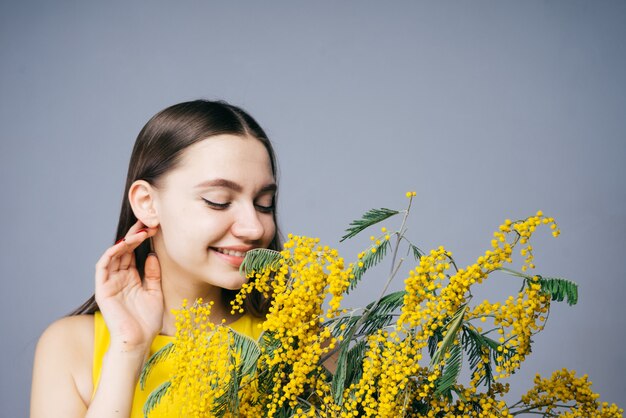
214 206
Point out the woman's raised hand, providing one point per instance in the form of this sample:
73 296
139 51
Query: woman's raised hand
132 310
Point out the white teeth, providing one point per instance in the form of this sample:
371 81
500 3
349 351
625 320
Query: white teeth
231 252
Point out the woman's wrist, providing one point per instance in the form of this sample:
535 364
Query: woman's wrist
127 350
121 367
121 361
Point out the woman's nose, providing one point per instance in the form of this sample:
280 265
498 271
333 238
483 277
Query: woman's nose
248 225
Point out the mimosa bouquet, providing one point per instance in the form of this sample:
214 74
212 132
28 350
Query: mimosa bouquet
402 355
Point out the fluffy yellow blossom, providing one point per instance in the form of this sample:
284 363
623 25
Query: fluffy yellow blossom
394 358
204 363
567 395
294 326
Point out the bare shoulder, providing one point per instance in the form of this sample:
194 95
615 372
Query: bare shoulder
69 338
75 328
63 361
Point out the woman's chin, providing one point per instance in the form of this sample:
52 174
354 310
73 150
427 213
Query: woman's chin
234 281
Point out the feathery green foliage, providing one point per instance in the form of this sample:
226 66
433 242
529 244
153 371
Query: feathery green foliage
560 289
448 340
373 256
228 401
451 372
371 217
433 341
355 362
266 378
477 344
249 351
349 369
381 315
339 379
155 397
258 259
417 253
156 358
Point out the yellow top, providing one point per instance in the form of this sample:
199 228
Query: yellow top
247 325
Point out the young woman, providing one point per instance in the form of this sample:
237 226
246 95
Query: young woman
200 193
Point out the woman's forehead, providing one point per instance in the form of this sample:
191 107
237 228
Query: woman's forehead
239 159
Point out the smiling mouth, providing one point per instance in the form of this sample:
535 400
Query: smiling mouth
231 253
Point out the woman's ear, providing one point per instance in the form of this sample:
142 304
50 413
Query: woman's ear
142 197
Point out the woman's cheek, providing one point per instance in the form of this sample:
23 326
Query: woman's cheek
211 229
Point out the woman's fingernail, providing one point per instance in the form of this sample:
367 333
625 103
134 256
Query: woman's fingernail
153 254
120 240
142 230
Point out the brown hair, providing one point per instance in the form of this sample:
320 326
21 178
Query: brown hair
158 149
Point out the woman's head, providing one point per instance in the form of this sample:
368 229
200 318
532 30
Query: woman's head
213 207
217 144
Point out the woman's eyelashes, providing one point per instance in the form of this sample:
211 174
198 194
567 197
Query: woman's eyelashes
265 203
216 205
264 208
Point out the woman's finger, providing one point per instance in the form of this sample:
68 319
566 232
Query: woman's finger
125 260
134 238
152 273
111 260
119 248
103 265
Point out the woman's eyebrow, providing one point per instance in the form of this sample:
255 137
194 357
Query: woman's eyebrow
269 188
229 184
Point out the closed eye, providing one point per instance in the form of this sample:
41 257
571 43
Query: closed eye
265 209
220 206
216 205
265 203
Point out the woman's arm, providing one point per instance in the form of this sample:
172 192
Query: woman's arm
133 312
116 389
61 373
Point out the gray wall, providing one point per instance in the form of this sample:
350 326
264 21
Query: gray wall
488 109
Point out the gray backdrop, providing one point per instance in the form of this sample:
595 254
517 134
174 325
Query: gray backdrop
487 109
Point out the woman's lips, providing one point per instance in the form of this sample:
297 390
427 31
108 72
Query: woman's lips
232 257
234 253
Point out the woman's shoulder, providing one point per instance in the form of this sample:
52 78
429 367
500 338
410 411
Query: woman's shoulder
69 343
65 348
69 331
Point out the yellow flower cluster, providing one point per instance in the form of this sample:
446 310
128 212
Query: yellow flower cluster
304 328
517 319
390 362
305 276
392 357
421 286
204 363
433 297
478 405
568 396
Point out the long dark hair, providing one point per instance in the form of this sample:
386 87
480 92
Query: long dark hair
158 150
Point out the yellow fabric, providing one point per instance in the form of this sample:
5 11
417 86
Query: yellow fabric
247 325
